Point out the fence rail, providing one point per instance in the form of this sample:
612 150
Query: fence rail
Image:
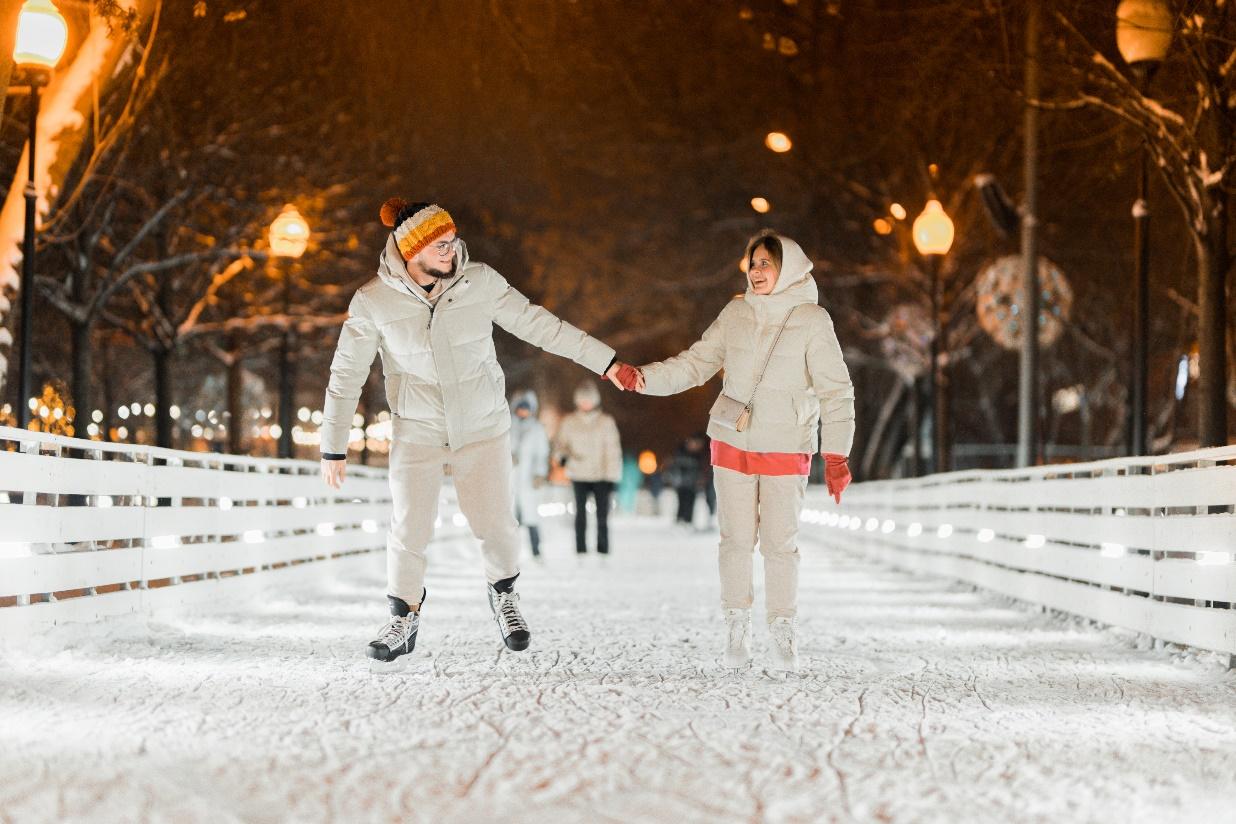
1142 543
90 529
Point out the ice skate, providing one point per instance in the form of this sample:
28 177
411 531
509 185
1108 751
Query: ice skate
504 602
398 637
783 649
738 638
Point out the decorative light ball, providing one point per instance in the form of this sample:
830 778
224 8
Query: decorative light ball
908 339
999 301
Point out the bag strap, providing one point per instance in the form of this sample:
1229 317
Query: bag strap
768 358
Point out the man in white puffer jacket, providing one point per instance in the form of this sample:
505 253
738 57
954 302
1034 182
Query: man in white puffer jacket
430 314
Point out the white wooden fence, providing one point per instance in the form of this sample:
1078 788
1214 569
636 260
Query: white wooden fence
1143 543
89 529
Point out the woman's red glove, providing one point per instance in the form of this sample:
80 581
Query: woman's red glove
836 474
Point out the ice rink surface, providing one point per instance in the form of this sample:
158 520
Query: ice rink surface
920 700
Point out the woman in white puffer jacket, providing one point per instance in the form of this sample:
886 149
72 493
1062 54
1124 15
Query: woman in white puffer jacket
761 471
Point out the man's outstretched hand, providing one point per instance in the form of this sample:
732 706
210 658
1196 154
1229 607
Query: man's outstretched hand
333 472
625 377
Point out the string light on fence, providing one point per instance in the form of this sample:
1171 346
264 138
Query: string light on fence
914 530
1214 558
97 416
149 409
225 503
856 524
369 525
15 549
326 529
300 502
174 412
255 536
1112 550
986 535
873 524
888 527
944 531
135 408
165 541
1035 541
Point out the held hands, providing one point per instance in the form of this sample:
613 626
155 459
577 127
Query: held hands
836 474
626 377
333 472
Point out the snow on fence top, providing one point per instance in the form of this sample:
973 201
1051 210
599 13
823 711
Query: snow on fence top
89 529
1144 543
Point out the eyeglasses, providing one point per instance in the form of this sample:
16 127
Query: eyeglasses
442 247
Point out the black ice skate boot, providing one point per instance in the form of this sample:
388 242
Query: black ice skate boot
398 637
504 602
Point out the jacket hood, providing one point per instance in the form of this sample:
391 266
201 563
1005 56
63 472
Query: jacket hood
394 272
526 396
795 284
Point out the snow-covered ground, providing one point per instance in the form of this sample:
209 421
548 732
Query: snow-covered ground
921 701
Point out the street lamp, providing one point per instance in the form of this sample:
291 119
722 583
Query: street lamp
289 235
933 237
1143 35
41 38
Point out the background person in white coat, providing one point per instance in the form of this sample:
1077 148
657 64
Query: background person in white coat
530 455
803 404
587 444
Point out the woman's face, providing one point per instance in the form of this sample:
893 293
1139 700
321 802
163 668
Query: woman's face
762 272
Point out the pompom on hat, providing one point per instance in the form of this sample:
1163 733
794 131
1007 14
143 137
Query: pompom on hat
416 225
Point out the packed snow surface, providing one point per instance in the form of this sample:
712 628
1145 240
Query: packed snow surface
920 700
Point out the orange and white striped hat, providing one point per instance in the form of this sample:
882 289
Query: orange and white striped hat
419 227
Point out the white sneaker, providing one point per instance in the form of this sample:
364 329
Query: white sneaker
737 638
784 647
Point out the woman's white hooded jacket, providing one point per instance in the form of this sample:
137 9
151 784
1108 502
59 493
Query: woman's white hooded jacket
807 384
443 382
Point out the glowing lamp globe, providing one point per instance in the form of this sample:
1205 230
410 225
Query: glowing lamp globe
1143 31
41 35
933 230
779 142
760 205
289 233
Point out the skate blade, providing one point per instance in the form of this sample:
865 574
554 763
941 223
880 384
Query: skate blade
400 664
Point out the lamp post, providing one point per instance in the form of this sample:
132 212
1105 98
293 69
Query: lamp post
289 235
1143 35
41 37
933 237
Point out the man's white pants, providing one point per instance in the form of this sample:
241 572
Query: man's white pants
482 475
763 509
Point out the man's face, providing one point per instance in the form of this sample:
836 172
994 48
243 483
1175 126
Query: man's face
435 260
523 411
